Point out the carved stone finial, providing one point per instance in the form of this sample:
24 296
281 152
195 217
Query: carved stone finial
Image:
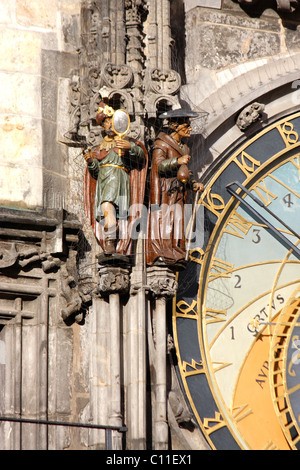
249 115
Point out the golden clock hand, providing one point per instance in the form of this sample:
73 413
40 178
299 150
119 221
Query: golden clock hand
255 323
273 229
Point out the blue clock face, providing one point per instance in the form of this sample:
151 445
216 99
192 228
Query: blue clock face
231 298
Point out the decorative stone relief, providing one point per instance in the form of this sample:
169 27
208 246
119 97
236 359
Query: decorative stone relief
140 90
113 280
161 282
21 257
38 253
249 115
117 76
161 86
162 82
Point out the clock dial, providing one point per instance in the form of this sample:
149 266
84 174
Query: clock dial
285 369
232 294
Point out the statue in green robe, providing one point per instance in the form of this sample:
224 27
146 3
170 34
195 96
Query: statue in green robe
115 179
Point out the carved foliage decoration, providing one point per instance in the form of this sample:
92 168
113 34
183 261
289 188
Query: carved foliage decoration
117 76
163 82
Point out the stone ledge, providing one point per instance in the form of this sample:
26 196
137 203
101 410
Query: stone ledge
189 4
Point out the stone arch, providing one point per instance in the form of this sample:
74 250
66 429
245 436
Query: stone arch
275 83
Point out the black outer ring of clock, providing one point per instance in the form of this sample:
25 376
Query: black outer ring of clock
200 398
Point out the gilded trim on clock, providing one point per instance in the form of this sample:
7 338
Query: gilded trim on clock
287 321
252 169
208 265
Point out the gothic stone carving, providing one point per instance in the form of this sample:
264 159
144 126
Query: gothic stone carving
13 256
161 282
161 86
117 76
250 115
77 295
113 280
39 252
162 82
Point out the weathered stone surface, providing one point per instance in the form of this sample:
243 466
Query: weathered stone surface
20 94
6 12
292 37
215 47
189 4
242 20
20 174
37 13
21 52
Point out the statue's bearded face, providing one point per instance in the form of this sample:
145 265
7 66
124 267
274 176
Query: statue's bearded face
107 125
182 129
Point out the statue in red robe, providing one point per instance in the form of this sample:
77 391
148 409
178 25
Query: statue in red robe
169 181
114 186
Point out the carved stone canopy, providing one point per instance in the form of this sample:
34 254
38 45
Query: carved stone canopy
282 5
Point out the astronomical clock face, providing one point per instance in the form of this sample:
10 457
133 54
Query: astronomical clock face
236 316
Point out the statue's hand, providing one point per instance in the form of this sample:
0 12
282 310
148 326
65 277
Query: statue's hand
122 144
183 160
88 156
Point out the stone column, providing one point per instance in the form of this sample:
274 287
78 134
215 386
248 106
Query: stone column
159 35
113 282
163 287
135 365
99 333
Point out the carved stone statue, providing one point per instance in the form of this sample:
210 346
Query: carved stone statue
170 179
249 115
114 183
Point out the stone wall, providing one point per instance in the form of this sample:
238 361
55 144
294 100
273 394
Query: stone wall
232 57
33 36
43 365
222 44
237 54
